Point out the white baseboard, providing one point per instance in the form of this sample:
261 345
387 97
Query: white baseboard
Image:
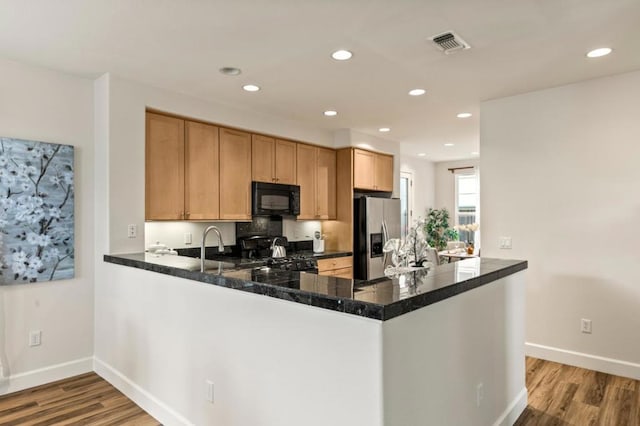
152 405
592 362
41 376
513 411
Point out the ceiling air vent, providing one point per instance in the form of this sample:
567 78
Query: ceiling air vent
449 42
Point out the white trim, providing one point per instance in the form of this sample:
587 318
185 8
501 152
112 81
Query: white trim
152 405
41 376
513 411
592 362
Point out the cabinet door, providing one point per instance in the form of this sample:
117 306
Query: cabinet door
306 178
363 169
383 173
326 184
235 175
201 184
285 167
164 168
262 158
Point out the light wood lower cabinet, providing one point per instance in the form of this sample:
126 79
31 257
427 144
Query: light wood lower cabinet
235 174
341 267
164 168
316 175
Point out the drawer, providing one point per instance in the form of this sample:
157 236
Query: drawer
335 263
343 273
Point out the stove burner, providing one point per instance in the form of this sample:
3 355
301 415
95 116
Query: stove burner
293 263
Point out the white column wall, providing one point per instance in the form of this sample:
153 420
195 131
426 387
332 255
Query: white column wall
560 176
49 106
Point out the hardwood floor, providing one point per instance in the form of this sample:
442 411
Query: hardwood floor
562 395
81 400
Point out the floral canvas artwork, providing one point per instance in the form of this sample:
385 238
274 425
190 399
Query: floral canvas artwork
36 211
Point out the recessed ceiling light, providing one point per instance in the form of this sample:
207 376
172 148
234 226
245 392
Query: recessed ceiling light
251 87
341 55
422 154
330 113
475 153
464 115
384 129
448 144
417 92
596 53
230 71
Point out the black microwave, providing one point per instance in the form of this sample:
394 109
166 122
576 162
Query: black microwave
269 199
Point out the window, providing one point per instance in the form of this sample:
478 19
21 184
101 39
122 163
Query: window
468 204
406 198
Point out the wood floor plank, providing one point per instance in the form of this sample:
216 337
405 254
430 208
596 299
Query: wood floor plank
81 400
565 395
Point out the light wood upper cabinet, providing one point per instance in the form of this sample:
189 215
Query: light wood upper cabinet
164 168
372 171
285 167
235 174
316 176
306 178
383 176
273 160
202 184
363 169
263 159
326 183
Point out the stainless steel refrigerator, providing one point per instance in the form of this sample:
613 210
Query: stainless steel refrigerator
376 220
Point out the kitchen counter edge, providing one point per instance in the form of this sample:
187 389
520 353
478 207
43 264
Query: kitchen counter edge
360 308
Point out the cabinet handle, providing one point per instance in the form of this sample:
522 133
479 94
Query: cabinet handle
188 214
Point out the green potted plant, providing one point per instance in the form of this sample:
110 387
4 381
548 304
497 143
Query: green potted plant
438 230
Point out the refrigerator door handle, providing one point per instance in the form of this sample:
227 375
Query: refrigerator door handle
385 238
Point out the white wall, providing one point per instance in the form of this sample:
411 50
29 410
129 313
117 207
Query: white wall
272 362
53 107
560 176
446 183
423 173
436 357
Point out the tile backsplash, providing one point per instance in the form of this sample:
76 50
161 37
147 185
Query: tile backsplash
172 234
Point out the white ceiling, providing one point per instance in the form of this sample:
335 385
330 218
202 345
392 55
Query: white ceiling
284 46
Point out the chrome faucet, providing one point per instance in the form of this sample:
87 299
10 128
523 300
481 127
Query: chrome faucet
204 238
277 251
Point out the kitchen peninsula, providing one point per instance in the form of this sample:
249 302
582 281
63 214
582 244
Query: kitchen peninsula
319 349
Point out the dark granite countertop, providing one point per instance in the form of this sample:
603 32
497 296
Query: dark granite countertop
380 299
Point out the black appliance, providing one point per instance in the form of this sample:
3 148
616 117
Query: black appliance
259 248
268 199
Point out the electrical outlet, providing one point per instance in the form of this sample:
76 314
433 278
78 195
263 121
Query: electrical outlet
479 394
504 243
35 338
209 390
585 326
132 231
188 238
